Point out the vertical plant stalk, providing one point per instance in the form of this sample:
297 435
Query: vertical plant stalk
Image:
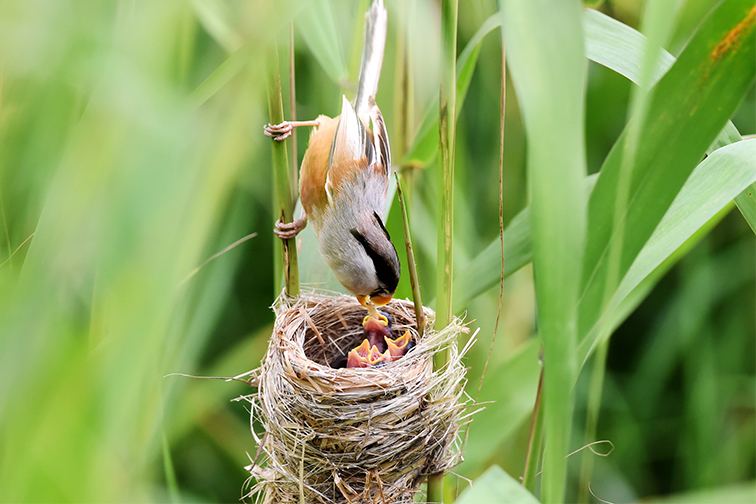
403 88
412 265
404 105
502 110
169 471
447 129
591 420
284 184
535 443
294 173
547 63
502 117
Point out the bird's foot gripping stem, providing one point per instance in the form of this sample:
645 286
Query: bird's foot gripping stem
288 230
281 132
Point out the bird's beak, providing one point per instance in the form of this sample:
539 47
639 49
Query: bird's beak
371 322
366 301
398 347
380 300
375 356
365 356
358 357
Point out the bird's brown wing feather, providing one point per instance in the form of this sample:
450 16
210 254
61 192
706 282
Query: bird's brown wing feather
314 170
381 141
352 149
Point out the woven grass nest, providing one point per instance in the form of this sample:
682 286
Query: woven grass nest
335 434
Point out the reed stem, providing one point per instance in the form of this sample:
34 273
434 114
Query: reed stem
285 184
447 130
294 168
411 264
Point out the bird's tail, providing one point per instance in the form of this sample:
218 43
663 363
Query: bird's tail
372 56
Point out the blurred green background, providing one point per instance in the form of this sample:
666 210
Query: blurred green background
131 151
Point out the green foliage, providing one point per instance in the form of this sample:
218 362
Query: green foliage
131 151
496 486
545 54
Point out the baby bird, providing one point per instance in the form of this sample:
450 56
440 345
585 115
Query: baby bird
378 348
344 181
377 330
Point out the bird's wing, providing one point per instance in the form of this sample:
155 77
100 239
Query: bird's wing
380 139
352 149
312 179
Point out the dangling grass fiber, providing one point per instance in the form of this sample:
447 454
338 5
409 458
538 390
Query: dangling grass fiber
334 434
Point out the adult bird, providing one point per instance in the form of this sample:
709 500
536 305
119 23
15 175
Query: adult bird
344 181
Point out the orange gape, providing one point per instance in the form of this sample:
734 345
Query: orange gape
365 356
344 182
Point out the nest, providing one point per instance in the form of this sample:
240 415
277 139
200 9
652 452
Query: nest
335 434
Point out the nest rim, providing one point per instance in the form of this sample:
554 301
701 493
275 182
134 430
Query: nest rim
341 423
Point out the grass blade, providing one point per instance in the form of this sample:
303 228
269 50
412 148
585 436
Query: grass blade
484 271
746 202
620 48
594 405
617 46
221 76
318 29
215 19
545 50
689 107
711 187
731 494
495 485
535 443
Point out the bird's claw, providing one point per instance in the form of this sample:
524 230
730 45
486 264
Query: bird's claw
288 230
279 132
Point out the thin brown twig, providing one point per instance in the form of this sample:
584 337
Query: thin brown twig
414 281
501 213
590 447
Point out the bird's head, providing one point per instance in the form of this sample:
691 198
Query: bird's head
377 250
